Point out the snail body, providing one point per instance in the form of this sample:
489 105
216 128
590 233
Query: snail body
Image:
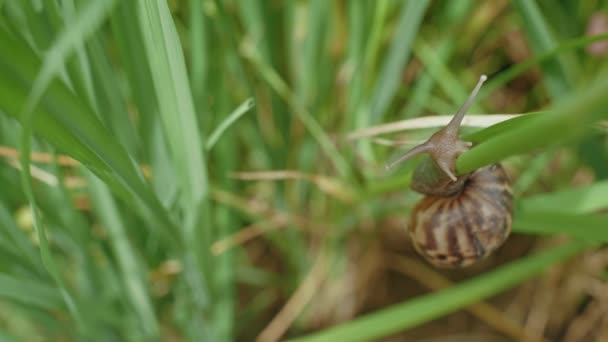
462 219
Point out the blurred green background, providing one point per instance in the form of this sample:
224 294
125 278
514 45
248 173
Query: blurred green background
213 170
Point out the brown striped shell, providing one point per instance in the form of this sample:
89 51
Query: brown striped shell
458 230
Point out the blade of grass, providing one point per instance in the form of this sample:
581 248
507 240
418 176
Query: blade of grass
47 258
311 52
364 59
19 239
505 126
199 58
443 76
396 59
454 13
532 172
131 269
86 22
30 292
542 40
422 89
571 201
229 120
163 52
425 308
357 34
484 311
78 67
282 89
129 43
374 41
111 104
569 119
503 78
591 228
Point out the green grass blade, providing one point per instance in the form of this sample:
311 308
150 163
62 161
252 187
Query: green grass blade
30 292
228 121
86 22
565 46
591 228
18 238
542 40
374 41
443 76
505 126
111 105
396 59
425 308
129 42
308 86
316 131
163 52
532 173
580 200
421 92
569 120
199 58
47 258
453 17
355 59
132 271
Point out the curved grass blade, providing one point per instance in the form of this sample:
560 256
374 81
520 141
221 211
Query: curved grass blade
229 120
425 308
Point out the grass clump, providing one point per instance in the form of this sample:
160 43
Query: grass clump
213 170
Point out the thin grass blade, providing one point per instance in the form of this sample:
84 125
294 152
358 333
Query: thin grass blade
396 59
425 308
228 121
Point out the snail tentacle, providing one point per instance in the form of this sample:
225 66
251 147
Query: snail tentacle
444 146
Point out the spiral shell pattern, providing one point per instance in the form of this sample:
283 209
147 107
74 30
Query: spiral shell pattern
459 230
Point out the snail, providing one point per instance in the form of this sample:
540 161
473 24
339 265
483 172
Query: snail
463 219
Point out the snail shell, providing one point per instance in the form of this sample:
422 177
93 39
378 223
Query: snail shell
459 230
463 218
